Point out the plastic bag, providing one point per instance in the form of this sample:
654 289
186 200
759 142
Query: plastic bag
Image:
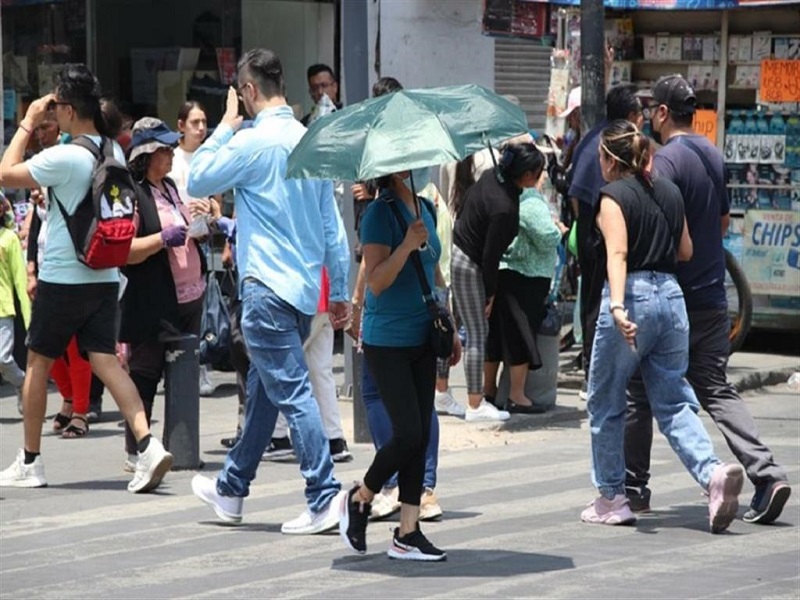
198 229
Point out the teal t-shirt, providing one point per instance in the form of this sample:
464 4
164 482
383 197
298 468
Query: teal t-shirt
67 169
398 317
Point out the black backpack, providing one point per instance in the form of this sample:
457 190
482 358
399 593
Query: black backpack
102 226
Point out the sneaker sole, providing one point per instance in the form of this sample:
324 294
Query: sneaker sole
610 521
485 419
375 516
38 483
399 554
342 457
157 475
344 523
774 508
731 488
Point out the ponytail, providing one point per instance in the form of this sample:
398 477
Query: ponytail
623 142
518 159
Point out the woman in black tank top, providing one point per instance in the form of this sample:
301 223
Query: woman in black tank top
643 324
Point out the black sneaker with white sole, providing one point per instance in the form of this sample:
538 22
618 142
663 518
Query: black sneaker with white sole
339 451
353 518
279 449
414 546
768 502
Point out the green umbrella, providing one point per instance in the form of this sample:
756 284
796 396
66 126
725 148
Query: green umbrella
406 130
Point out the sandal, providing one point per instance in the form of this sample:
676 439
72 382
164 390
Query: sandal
60 421
72 431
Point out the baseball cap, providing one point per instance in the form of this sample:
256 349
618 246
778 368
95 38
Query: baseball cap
573 102
676 94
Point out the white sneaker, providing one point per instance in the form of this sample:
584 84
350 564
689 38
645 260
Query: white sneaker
151 467
206 387
445 404
130 463
486 412
227 508
310 523
385 503
21 475
429 507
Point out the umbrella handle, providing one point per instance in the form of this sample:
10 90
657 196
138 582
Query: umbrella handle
497 172
424 245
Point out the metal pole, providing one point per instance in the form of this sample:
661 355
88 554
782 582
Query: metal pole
593 80
355 77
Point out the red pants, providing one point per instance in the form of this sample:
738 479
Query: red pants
73 376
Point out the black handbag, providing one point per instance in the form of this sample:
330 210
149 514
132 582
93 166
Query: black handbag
442 330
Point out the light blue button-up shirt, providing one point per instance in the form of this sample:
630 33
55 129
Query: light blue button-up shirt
286 228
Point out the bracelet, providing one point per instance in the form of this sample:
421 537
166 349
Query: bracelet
356 305
25 129
614 306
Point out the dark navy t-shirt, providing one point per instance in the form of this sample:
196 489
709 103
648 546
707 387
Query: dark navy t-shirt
587 177
703 277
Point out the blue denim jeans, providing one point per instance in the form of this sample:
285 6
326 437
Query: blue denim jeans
380 428
278 381
655 303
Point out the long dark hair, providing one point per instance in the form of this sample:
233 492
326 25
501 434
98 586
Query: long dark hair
464 179
623 142
519 159
188 107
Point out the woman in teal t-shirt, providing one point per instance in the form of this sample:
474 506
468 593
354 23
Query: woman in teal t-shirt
396 330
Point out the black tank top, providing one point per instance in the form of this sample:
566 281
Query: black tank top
654 220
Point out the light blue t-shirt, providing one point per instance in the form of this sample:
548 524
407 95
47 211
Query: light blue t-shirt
67 169
398 317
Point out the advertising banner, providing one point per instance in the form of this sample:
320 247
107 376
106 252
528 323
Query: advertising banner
772 251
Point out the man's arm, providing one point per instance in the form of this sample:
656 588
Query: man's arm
218 164
14 172
337 254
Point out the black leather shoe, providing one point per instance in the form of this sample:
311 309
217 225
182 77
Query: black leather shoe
523 409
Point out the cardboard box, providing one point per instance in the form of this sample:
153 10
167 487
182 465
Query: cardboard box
781 48
733 48
762 45
745 49
675 47
662 46
687 50
649 46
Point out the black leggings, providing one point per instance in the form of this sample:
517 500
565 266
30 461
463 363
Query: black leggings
406 380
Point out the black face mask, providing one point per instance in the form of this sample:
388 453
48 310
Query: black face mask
656 134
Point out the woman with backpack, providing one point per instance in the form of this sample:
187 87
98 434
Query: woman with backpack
165 270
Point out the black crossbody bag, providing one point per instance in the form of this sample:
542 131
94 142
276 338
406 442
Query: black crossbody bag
442 330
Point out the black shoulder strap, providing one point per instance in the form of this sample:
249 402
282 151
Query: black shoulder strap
712 173
84 142
427 294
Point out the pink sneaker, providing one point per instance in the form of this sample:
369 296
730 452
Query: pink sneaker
723 496
609 512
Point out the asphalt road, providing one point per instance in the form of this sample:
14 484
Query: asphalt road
511 525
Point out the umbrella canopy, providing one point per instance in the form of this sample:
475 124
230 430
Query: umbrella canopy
406 130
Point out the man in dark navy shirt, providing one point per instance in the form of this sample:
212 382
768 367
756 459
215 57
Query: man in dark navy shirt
584 190
697 168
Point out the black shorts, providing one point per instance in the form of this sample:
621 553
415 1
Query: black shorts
89 311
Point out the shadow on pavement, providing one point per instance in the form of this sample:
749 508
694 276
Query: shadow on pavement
460 563
688 516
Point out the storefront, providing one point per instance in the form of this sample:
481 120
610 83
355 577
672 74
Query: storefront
150 55
743 59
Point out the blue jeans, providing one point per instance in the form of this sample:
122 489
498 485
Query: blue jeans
380 428
655 303
278 380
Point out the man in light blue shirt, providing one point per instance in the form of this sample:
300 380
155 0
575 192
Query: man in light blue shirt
287 229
